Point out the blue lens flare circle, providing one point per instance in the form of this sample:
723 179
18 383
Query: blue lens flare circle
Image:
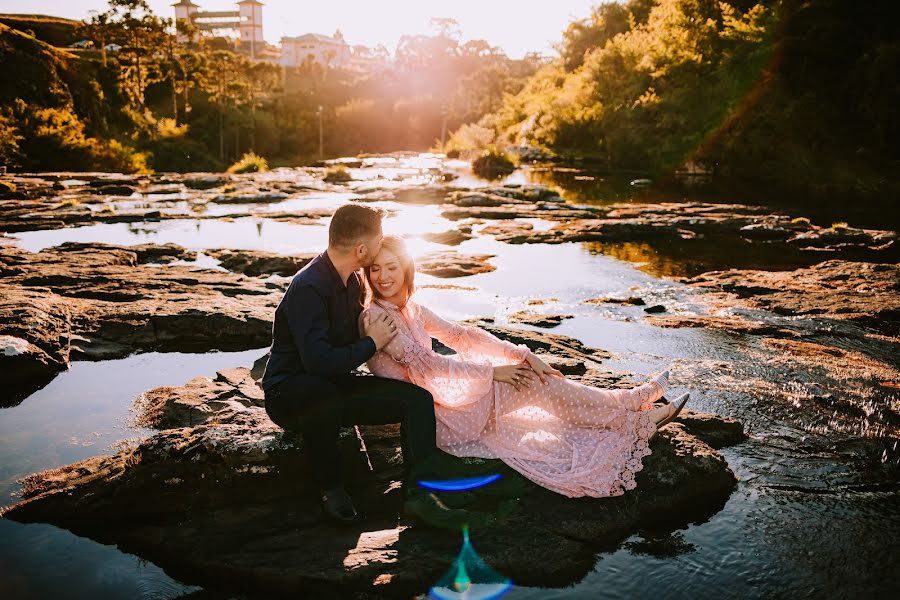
459 485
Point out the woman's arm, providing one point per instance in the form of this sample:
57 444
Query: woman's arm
464 338
407 352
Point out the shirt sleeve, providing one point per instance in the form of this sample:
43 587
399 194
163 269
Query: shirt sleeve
468 339
308 321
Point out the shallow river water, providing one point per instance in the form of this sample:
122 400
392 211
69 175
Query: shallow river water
800 524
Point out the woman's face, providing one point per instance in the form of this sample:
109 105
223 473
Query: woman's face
386 274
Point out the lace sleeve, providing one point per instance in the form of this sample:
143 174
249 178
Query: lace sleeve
467 339
427 364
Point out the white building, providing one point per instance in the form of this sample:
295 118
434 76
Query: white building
330 51
246 20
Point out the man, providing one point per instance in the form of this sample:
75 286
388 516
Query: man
308 384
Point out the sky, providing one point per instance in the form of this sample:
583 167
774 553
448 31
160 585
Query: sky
516 26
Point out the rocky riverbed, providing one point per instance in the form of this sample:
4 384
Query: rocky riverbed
220 495
796 347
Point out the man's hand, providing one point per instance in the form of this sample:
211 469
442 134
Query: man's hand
381 329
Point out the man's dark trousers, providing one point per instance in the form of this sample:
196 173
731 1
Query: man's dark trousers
318 406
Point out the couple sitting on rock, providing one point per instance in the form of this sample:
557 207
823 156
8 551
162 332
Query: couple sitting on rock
493 399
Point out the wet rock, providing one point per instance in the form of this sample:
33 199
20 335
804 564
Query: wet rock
529 192
37 327
766 231
732 323
6 188
477 198
553 212
144 253
537 319
201 399
204 182
114 179
865 293
453 237
632 300
24 368
513 232
250 198
452 264
548 343
99 301
714 430
687 220
435 194
565 365
656 308
116 190
189 498
257 262
836 238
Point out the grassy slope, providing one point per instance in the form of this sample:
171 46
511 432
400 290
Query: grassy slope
55 31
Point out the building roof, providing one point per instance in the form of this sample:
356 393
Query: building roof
250 2
314 37
186 3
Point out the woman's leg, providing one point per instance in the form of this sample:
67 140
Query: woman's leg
578 404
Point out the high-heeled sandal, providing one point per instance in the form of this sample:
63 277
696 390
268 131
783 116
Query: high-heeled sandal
679 403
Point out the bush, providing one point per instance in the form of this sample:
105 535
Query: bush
471 136
338 174
249 163
53 139
492 164
181 154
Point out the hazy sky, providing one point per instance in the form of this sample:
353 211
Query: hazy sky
517 26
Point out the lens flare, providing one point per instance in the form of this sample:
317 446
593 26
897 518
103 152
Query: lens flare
459 485
470 578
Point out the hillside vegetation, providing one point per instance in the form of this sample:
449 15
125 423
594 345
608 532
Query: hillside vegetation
800 94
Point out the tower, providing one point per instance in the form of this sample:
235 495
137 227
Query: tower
184 11
251 24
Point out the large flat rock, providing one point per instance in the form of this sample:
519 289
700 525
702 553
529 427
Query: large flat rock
95 301
221 498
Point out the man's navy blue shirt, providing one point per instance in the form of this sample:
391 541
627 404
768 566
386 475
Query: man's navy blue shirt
316 328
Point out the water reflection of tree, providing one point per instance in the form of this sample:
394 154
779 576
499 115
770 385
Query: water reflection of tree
644 256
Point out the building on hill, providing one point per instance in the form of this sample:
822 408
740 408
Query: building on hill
330 51
246 20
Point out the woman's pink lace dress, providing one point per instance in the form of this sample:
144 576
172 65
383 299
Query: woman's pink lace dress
570 438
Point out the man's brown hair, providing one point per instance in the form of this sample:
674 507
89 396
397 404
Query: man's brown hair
352 223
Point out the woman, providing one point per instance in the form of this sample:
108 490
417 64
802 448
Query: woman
498 400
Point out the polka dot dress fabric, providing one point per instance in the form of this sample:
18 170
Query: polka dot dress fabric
570 438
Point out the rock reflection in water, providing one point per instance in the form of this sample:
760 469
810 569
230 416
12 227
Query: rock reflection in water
470 577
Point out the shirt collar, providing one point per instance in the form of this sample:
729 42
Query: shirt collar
334 276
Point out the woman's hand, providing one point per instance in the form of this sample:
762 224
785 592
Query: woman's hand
519 376
540 368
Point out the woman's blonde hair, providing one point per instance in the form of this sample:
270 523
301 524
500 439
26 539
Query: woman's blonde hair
396 245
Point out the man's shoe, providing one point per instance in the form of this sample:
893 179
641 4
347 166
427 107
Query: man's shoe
338 507
428 509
